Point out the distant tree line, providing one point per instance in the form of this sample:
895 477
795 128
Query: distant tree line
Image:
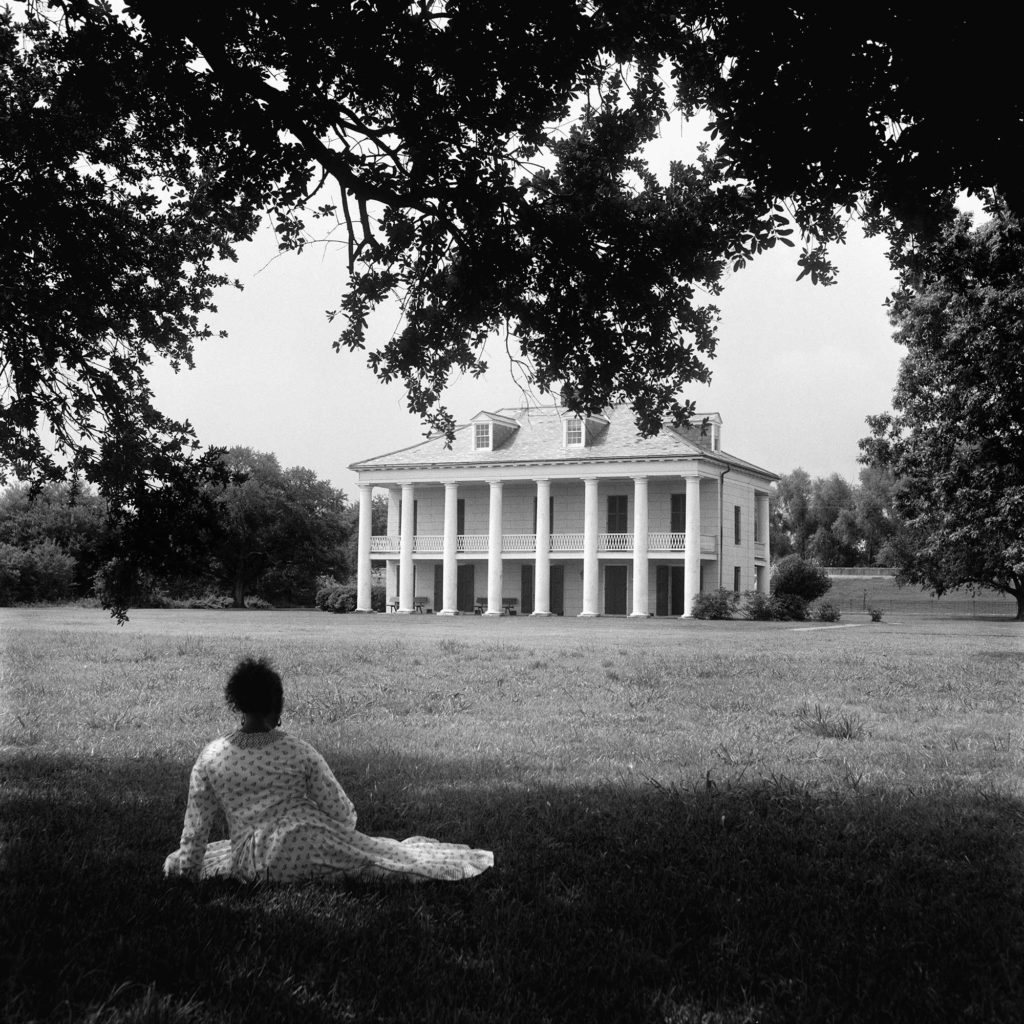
837 523
269 535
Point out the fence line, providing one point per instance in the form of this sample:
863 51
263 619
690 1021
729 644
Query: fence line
939 607
859 570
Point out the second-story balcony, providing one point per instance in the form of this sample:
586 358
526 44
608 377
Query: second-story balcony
560 544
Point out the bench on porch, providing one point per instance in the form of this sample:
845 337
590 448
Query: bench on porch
419 604
509 606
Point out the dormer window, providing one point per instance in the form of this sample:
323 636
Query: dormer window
482 436
492 432
574 434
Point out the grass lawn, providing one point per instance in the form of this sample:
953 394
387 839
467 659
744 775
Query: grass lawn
692 821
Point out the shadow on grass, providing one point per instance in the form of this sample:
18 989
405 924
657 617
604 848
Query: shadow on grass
759 902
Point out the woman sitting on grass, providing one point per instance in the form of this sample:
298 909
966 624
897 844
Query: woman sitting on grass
288 818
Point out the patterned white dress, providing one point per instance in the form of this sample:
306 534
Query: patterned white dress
290 820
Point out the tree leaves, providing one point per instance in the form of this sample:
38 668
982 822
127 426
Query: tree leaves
956 437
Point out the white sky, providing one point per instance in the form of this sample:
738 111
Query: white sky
798 367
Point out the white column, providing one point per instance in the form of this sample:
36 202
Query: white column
494 551
394 504
640 578
363 562
542 564
405 579
764 532
590 570
394 530
449 568
691 565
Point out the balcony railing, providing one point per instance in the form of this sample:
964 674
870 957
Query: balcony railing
561 543
519 542
566 542
615 542
666 542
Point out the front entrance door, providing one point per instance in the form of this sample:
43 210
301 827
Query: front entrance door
556 591
438 587
465 587
661 590
615 590
526 593
668 593
677 606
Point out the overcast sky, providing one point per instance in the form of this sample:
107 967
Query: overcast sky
798 366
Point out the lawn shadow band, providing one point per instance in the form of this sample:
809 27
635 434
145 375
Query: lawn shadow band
757 900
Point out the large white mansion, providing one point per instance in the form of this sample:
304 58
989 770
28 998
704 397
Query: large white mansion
540 512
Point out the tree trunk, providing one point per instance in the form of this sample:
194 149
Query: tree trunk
239 589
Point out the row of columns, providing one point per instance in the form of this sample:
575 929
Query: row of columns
542 550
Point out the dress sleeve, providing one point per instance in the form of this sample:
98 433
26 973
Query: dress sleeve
326 792
200 814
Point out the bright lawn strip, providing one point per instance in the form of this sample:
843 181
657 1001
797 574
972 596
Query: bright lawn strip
691 822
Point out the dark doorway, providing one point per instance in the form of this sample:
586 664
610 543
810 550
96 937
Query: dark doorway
438 587
661 590
526 591
615 590
557 590
669 583
677 606
465 588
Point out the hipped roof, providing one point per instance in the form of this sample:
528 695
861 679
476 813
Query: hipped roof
539 440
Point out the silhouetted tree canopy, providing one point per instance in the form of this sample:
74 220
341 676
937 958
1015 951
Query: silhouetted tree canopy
481 164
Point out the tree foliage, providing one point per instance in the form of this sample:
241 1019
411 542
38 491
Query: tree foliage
278 530
835 522
44 572
869 107
955 440
73 518
272 532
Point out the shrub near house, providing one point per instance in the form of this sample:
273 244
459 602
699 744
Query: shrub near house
796 582
334 596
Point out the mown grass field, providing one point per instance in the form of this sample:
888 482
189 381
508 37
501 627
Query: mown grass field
692 822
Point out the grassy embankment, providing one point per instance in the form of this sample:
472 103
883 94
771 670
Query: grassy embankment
691 822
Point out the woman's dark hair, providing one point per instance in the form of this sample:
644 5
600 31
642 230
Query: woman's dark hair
254 687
